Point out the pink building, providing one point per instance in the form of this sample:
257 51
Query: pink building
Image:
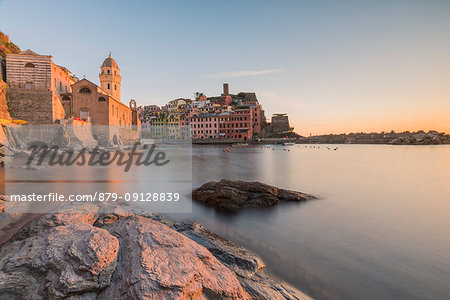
204 126
236 125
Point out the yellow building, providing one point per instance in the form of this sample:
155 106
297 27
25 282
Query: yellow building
159 122
176 105
174 125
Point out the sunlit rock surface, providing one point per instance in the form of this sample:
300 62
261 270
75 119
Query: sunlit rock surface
157 262
90 252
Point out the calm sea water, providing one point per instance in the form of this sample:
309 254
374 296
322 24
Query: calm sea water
379 230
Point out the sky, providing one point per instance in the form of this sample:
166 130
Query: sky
333 66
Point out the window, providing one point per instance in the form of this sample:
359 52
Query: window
60 86
115 72
29 65
115 86
107 71
85 90
101 99
29 85
109 87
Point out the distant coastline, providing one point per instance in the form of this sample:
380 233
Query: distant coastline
382 138
391 138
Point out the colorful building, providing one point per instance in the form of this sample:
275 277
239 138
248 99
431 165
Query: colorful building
232 117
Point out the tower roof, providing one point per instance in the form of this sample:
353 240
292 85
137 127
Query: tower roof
110 62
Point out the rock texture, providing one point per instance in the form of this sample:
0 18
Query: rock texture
236 195
79 252
57 263
249 268
90 252
157 262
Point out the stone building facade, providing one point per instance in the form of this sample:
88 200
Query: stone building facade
36 87
101 105
280 123
279 127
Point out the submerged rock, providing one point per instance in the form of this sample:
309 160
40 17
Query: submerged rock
236 195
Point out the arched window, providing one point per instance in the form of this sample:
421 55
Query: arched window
107 71
115 86
66 98
85 90
101 99
109 87
29 65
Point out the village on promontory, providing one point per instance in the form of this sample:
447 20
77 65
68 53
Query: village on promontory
35 90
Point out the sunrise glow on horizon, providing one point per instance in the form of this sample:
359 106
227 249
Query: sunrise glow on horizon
333 67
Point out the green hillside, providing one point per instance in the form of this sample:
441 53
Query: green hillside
7 47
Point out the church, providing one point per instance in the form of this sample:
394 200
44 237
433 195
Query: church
100 105
41 92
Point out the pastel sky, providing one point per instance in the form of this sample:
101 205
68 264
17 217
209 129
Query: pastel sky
334 66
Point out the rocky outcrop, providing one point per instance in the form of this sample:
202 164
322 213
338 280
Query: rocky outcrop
82 253
4 114
249 268
57 263
90 252
157 262
236 195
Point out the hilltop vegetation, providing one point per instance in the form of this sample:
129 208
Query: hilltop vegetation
6 46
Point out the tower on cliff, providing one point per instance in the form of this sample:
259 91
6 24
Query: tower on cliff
110 78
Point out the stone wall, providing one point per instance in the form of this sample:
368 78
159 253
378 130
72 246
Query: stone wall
33 106
3 107
278 128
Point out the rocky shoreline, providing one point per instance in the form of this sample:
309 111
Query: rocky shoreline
120 253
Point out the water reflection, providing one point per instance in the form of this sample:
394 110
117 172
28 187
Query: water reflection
380 229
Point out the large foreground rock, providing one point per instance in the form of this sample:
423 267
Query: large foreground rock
236 195
117 255
57 263
156 262
91 253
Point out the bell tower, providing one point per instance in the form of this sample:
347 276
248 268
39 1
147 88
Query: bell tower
110 79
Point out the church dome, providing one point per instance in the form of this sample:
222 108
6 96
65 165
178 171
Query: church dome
110 62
